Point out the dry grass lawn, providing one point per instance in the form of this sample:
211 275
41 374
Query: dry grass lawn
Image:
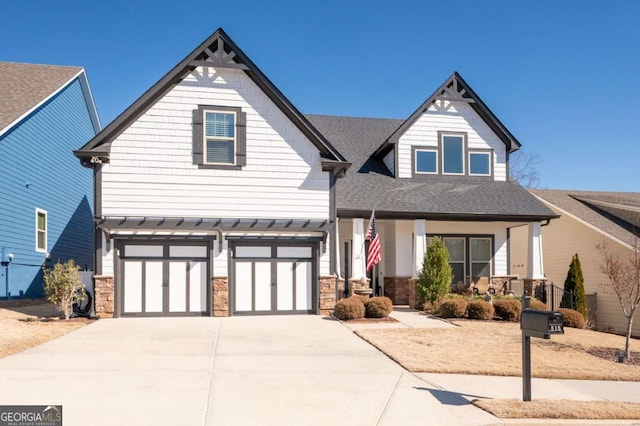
560 409
495 348
30 322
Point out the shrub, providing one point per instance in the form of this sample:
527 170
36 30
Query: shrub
377 307
538 305
435 277
574 283
452 308
508 309
572 318
63 287
479 309
349 308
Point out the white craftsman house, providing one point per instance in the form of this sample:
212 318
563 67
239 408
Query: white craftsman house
214 195
443 171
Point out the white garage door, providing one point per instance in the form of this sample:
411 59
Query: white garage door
273 279
164 279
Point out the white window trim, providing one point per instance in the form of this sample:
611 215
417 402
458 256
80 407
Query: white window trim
442 136
416 161
222 138
46 230
488 154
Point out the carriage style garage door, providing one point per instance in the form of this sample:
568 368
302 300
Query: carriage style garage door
162 279
273 278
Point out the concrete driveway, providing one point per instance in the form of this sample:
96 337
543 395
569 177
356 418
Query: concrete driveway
211 371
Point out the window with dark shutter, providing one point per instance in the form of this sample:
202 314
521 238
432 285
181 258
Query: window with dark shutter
219 137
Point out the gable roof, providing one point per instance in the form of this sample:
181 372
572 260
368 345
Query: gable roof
25 87
218 51
370 186
614 213
453 89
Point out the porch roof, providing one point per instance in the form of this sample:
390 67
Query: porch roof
370 185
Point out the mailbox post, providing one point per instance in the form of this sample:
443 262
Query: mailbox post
541 324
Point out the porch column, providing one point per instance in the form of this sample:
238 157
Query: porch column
419 245
535 264
357 250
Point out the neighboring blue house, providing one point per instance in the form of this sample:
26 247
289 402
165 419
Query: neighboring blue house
46 196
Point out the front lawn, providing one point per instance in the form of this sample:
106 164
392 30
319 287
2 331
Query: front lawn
495 348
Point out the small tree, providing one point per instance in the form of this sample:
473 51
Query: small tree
63 287
624 282
574 283
435 278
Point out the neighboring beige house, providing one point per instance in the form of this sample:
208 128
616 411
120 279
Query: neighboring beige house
587 218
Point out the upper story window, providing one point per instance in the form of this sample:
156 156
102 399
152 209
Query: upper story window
219 137
452 158
480 163
427 161
41 230
453 154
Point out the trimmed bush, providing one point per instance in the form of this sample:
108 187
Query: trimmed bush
572 318
377 307
481 310
508 309
349 308
538 305
452 308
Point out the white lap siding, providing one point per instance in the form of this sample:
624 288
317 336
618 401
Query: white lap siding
151 172
451 117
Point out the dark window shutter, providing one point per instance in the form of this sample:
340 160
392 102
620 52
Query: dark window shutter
197 136
241 135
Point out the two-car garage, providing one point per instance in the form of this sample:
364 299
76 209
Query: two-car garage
171 277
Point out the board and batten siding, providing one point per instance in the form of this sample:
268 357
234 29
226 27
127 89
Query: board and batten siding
445 116
563 238
150 172
38 170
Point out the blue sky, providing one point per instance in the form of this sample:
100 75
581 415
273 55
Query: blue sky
563 76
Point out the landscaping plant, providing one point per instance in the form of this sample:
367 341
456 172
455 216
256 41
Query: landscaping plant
377 307
508 309
63 287
572 318
349 308
624 282
481 310
452 308
574 283
435 277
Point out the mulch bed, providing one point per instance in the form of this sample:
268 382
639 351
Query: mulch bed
610 355
370 320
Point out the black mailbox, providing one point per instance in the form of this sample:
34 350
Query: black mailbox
541 323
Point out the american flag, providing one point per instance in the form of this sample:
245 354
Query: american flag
375 255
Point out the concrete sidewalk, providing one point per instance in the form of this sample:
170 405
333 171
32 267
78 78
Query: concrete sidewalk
406 318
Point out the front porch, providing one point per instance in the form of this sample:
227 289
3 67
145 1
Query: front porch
478 254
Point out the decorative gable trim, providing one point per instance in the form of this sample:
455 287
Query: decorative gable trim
454 89
217 51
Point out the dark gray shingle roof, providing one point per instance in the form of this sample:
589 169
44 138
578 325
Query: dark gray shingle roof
615 213
23 86
369 184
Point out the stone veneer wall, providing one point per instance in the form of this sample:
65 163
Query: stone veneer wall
220 297
397 289
104 296
327 293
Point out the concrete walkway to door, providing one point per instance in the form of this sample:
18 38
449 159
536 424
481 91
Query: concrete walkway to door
210 371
